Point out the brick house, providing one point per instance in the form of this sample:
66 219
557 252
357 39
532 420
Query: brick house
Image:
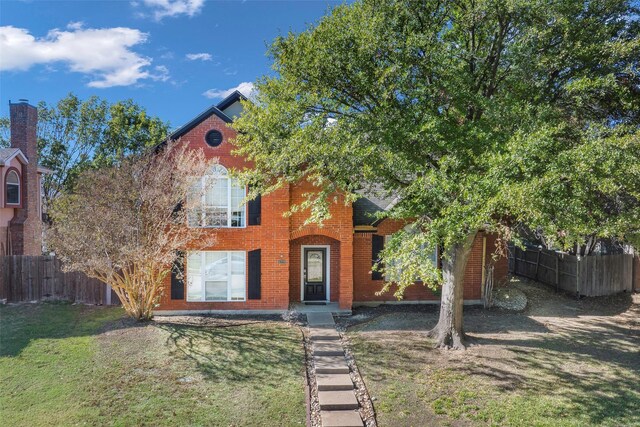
265 262
20 180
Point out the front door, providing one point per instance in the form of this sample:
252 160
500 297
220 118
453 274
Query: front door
314 274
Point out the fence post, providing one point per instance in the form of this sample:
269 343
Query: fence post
557 271
578 258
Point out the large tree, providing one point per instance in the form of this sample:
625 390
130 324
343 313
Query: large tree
123 224
477 114
76 135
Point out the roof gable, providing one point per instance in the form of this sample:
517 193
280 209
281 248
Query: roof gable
199 119
214 110
6 154
230 100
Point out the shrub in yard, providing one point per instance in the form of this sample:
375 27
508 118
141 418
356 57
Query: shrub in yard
124 224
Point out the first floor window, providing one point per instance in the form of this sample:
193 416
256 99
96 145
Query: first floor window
434 259
13 188
216 276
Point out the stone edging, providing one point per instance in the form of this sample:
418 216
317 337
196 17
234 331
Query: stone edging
367 410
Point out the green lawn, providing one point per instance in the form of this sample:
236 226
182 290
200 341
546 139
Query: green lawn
64 364
561 363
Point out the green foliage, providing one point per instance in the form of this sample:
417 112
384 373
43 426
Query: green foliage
486 114
76 135
4 132
408 257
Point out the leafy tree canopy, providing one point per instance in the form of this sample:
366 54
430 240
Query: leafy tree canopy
76 135
479 114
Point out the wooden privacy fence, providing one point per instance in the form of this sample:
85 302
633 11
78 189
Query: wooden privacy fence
592 275
32 278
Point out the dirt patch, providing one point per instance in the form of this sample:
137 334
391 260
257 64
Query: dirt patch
561 359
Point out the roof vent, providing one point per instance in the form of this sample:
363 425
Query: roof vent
23 100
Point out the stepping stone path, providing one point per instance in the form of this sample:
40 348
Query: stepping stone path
338 403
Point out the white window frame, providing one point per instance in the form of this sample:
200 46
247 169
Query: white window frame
202 276
219 172
6 189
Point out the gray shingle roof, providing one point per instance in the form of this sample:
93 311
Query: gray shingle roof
372 201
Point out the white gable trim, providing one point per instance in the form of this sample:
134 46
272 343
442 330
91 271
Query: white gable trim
17 153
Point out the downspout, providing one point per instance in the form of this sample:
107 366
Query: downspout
484 258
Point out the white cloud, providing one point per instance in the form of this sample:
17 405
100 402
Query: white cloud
77 25
171 8
245 88
167 55
199 56
104 53
162 73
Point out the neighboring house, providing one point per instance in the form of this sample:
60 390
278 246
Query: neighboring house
20 180
265 261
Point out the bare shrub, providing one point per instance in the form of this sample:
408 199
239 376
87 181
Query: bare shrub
125 224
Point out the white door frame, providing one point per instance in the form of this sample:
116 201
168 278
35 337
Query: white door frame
327 272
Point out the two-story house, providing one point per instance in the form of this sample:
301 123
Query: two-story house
264 261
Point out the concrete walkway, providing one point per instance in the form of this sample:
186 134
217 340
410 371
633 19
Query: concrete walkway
338 403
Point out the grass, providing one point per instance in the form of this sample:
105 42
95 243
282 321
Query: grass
558 369
64 364
413 389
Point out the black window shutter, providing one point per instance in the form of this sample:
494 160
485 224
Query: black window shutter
177 277
254 261
255 210
176 210
377 244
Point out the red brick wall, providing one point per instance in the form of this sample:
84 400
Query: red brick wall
26 225
365 288
295 254
280 239
271 236
473 272
338 227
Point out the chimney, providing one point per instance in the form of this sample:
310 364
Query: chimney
24 120
26 225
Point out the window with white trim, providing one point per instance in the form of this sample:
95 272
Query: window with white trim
434 255
216 276
220 201
13 188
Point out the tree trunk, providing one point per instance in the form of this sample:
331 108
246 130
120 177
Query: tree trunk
449 332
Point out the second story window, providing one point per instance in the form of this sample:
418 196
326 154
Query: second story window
13 188
220 201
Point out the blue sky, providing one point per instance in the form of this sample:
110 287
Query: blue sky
173 57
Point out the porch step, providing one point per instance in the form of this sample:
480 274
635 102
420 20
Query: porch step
320 319
327 348
328 382
331 365
337 400
345 418
323 334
